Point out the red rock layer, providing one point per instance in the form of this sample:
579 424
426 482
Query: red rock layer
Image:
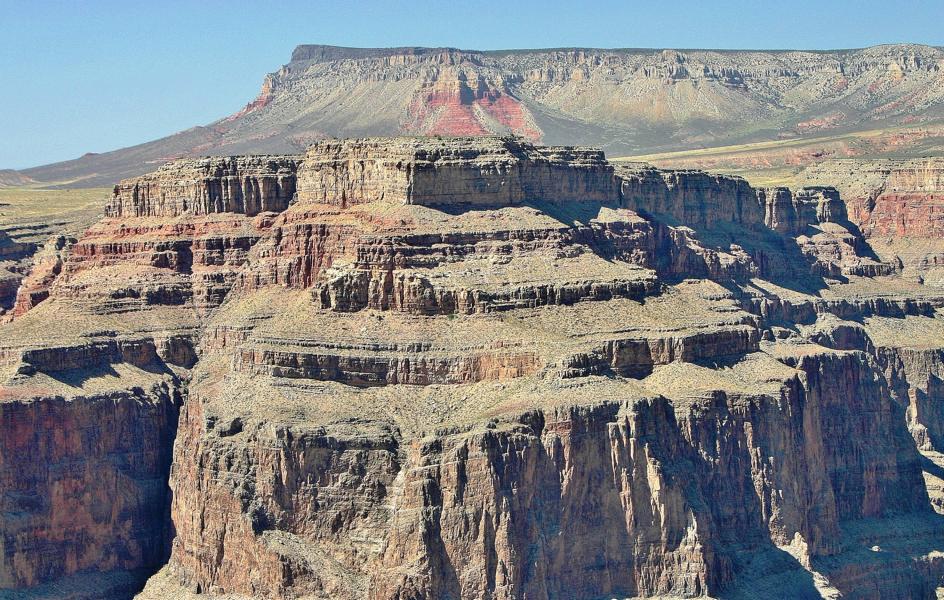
904 214
889 198
451 105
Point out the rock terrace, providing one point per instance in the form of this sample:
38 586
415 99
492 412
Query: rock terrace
466 368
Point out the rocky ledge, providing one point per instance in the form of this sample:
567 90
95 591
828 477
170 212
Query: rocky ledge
470 368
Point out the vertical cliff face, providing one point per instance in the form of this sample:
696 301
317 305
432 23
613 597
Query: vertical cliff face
465 369
793 213
576 501
83 482
243 185
86 432
466 171
11 253
693 198
888 197
703 201
645 497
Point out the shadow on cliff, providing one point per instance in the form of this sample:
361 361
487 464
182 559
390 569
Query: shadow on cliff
769 573
682 251
716 476
78 377
900 549
572 214
730 254
778 257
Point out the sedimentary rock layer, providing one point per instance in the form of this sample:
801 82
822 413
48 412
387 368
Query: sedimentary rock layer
889 197
83 480
490 172
898 205
462 369
244 185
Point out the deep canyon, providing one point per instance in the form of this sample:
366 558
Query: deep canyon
479 367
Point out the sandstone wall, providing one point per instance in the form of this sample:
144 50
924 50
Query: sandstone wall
616 499
793 212
239 184
465 171
694 198
471 368
702 200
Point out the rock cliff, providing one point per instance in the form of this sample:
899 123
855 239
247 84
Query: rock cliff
889 197
471 368
244 185
898 204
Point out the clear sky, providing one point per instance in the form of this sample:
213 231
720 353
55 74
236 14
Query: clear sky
80 76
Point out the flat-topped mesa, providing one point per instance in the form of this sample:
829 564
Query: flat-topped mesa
476 171
323 53
481 171
235 184
690 197
671 385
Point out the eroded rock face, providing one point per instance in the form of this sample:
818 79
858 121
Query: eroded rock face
83 481
446 171
897 204
47 265
460 369
889 197
244 185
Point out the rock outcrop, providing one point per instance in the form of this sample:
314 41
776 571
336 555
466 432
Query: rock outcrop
899 207
487 172
464 368
12 254
245 185
901 198
83 480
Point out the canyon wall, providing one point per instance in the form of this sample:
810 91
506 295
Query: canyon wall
246 185
899 206
460 368
84 483
476 171
889 197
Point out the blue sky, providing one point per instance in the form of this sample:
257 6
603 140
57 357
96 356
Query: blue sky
82 76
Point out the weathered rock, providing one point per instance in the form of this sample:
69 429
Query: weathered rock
897 204
459 369
793 213
693 198
240 184
447 171
628 100
889 197
83 481
47 264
